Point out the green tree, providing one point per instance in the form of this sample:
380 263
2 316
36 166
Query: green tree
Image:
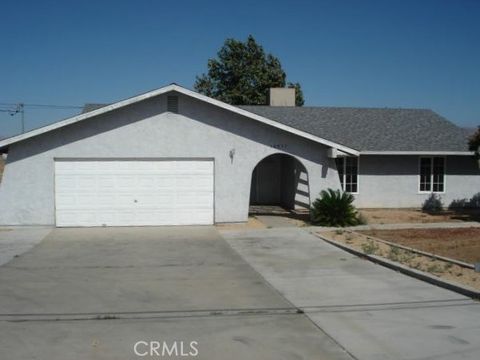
474 142
242 73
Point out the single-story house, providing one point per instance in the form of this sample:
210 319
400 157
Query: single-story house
172 156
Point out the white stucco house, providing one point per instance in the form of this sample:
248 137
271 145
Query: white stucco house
172 156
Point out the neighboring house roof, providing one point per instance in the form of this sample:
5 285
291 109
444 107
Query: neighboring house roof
372 130
90 107
184 91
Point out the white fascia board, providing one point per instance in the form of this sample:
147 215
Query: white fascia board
342 154
457 153
179 89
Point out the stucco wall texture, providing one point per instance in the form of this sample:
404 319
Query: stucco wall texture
393 181
146 130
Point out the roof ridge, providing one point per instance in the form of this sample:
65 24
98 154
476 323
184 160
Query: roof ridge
337 107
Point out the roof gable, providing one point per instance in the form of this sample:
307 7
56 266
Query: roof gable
174 87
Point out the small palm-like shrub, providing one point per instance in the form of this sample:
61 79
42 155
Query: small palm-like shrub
334 208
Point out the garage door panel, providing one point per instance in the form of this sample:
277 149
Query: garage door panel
63 182
105 182
86 182
189 201
129 193
162 217
201 217
165 182
147 182
124 181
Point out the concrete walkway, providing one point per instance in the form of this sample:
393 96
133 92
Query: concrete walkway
372 312
272 221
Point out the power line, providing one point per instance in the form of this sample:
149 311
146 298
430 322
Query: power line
45 105
19 108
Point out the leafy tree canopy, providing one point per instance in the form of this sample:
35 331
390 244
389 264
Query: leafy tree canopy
242 74
474 142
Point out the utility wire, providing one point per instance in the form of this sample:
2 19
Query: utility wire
45 105
15 108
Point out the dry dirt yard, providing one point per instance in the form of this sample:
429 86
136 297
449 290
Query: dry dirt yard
462 244
443 269
397 216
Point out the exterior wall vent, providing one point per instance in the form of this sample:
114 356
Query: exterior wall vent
172 104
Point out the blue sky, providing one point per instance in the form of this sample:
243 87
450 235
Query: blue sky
344 53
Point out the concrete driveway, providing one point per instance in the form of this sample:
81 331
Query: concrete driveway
371 311
16 240
93 293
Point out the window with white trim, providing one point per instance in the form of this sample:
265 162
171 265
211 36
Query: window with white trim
432 174
347 168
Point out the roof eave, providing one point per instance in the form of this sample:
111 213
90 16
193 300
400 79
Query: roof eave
173 87
439 153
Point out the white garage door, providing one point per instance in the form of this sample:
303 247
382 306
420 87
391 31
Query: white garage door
130 193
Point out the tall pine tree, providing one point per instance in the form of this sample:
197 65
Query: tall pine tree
242 74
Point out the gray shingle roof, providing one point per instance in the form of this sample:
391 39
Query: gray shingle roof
367 129
372 129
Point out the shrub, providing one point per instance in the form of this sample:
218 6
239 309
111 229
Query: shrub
474 202
474 142
460 204
433 204
435 268
334 208
394 253
369 248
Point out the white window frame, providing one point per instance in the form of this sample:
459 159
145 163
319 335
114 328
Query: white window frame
431 174
343 181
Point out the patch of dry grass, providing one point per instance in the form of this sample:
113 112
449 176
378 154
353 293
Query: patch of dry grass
461 244
397 216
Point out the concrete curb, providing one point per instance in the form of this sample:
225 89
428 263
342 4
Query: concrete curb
461 289
402 226
421 252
